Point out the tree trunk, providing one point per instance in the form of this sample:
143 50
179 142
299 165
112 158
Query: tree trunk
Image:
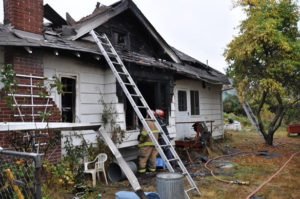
269 138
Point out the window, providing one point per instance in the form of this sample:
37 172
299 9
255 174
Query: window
194 103
182 101
68 99
120 39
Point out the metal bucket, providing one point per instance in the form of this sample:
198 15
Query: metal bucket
170 185
115 173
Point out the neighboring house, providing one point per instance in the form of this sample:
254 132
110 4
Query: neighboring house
186 89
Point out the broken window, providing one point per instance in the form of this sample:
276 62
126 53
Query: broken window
182 102
194 102
68 99
120 38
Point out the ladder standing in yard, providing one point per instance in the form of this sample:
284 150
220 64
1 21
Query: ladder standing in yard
139 104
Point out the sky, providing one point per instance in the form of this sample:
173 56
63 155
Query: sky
199 28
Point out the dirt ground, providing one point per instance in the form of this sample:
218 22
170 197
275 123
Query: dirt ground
256 167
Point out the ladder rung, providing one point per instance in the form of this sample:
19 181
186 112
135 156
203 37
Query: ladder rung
32 105
106 44
165 145
115 62
156 132
174 159
112 54
145 107
135 95
190 189
100 36
129 84
23 95
149 119
121 73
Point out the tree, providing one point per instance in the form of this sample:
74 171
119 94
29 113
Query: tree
264 59
231 104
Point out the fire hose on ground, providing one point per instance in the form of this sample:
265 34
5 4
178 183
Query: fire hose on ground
221 180
277 172
246 182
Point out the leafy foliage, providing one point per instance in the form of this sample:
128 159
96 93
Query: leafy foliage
108 118
264 59
70 170
293 115
231 104
9 83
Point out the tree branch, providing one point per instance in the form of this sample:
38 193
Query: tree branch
260 123
293 102
283 113
280 121
279 115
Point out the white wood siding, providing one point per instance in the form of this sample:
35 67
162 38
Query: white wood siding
210 102
89 90
95 90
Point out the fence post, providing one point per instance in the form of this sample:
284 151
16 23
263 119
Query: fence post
38 180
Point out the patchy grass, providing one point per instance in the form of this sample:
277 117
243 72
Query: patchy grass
257 169
254 169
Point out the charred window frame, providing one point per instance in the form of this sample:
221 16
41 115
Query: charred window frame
182 100
195 110
156 87
68 99
120 38
157 96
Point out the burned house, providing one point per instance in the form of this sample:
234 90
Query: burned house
185 88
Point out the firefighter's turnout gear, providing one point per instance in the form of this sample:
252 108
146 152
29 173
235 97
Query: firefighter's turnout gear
161 120
147 150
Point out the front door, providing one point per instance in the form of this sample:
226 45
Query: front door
182 114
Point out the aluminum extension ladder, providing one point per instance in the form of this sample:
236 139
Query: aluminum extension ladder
250 115
133 94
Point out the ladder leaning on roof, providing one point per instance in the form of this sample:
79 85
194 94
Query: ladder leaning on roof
139 103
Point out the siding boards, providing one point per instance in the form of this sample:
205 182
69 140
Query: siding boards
89 90
93 98
86 109
210 104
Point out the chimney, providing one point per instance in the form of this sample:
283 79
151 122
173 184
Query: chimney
26 15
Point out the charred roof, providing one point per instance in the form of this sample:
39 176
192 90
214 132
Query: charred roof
73 36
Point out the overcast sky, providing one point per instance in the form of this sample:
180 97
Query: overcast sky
200 28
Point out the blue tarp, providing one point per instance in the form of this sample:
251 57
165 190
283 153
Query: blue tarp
132 195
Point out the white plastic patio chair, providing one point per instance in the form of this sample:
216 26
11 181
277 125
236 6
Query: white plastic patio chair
98 167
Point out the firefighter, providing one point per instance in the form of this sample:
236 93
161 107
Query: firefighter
161 120
147 150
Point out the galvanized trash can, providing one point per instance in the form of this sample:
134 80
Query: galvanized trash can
170 185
